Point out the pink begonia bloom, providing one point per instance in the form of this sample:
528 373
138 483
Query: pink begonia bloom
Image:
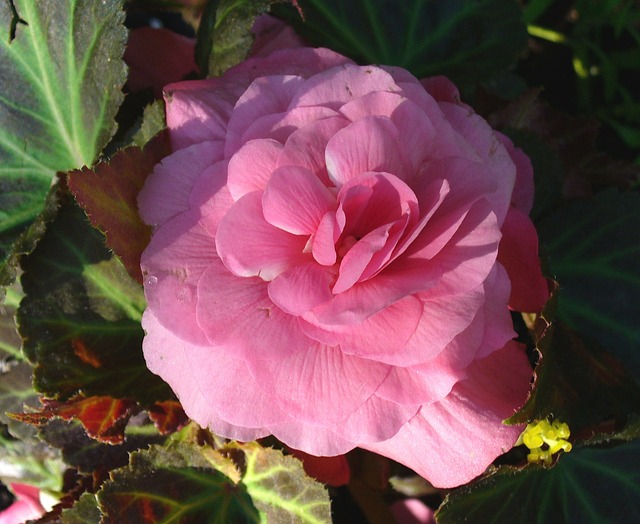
324 264
26 506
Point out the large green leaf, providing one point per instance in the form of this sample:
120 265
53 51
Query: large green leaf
80 318
587 486
467 40
593 248
174 485
61 75
194 484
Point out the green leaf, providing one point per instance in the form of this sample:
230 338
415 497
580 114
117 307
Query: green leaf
280 489
586 486
61 75
224 36
577 382
80 318
467 40
177 484
84 511
593 249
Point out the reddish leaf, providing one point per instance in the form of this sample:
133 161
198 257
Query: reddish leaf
168 416
104 418
108 194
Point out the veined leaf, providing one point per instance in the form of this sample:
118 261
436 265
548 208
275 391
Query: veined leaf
80 318
586 486
465 40
61 75
592 246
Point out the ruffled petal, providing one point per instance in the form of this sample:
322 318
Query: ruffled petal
249 246
337 86
265 96
295 200
319 384
452 441
302 288
251 166
172 264
211 395
371 144
232 310
167 191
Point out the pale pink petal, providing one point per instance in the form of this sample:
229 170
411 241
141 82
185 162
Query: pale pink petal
178 255
452 441
518 253
412 511
251 166
249 246
313 437
211 395
302 288
337 86
295 200
377 419
320 383
265 96
198 111
413 124
489 148
26 507
368 254
368 145
238 315
323 245
167 190
210 197
280 126
381 337
305 147
522 197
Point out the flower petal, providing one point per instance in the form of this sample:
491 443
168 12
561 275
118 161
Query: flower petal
319 384
452 441
302 288
232 310
251 166
211 395
371 144
167 191
295 200
249 246
519 255
177 256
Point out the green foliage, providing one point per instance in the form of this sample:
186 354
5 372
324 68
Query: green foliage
191 484
592 247
466 40
80 318
586 486
61 75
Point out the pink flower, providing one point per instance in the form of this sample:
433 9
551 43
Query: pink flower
324 263
26 506
412 511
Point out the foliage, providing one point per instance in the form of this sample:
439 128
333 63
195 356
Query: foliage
110 437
